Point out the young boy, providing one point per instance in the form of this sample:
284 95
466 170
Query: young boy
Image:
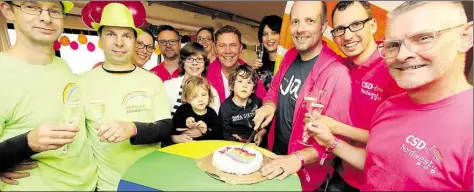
238 110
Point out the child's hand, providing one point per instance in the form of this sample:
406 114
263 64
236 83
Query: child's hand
183 138
238 137
258 137
202 127
190 122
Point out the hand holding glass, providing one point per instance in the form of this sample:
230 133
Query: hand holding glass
314 107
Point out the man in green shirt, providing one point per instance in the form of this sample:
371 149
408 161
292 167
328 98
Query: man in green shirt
36 88
115 91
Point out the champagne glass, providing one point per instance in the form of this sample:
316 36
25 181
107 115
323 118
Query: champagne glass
259 50
314 106
97 112
73 113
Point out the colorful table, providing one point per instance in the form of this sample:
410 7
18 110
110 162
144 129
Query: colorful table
173 168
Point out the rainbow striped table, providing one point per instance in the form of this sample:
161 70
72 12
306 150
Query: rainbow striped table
173 168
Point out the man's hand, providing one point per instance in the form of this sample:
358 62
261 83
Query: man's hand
192 132
183 138
282 165
11 176
256 64
258 137
321 133
116 131
263 116
51 136
190 122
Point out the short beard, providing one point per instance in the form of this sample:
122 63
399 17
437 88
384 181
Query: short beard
170 58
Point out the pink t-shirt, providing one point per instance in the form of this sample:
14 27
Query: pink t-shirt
421 147
163 73
372 84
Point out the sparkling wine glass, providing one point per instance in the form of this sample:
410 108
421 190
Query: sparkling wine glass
73 113
315 107
259 50
97 112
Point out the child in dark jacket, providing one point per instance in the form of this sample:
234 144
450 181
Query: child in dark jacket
195 120
238 110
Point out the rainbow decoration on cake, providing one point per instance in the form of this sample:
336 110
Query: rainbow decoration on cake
237 160
239 155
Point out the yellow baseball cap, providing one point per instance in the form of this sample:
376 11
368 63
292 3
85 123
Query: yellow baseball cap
68 5
116 15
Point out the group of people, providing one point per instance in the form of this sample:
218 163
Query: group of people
397 113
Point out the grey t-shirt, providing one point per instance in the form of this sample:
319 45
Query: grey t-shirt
287 96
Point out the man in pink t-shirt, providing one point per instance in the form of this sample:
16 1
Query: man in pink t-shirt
169 41
353 32
420 140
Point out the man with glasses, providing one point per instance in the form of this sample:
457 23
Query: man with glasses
170 43
420 140
36 87
371 82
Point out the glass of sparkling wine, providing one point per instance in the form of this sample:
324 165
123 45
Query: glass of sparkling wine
259 50
73 114
97 112
314 107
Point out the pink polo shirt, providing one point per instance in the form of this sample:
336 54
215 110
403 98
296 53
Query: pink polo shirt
421 146
163 73
371 85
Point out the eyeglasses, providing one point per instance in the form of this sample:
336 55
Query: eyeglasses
165 42
198 60
35 10
415 43
206 39
140 45
356 26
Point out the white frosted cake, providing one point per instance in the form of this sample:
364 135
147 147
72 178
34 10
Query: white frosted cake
235 160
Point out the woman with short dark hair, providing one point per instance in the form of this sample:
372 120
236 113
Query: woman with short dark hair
268 35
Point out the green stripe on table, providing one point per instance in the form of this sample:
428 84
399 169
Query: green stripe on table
164 171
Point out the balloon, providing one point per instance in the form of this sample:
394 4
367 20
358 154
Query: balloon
85 14
138 11
56 45
74 45
96 8
64 40
90 46
82 39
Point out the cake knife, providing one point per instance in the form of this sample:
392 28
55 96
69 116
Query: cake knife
250 138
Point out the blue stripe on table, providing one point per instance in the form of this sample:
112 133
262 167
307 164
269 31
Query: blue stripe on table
130 186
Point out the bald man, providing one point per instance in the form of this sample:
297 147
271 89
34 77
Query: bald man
420 140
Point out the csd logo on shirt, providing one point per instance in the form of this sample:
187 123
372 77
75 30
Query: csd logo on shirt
414 147
372 91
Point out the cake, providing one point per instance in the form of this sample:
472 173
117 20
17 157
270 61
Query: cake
235 160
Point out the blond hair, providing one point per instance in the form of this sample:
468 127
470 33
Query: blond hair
190 86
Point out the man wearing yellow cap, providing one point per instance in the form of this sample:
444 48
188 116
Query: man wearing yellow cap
36 88
118 86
